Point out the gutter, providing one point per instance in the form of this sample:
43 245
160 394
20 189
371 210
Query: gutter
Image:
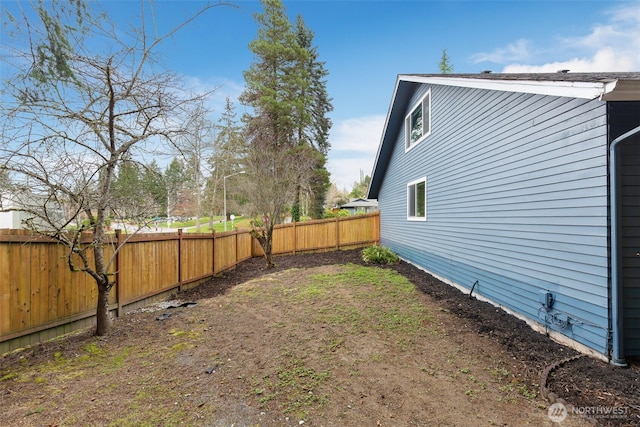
617 356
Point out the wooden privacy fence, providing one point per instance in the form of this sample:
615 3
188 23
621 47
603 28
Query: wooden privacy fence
40 298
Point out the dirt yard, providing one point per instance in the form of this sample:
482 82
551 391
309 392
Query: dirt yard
322 340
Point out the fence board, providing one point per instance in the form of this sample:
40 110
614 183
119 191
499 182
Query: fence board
197 259
147 267
40 296
225 251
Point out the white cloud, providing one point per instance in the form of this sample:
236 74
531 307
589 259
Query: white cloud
613 45
361 134
220 88
354 144
518 51
605 59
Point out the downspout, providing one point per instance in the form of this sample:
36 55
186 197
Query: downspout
617 357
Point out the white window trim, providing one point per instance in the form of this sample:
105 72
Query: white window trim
407 120
412 183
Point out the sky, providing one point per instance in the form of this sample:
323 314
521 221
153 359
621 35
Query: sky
365 44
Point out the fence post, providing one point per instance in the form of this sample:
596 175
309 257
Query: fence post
213 251
295 238
235 261
179 259
337 233
117 273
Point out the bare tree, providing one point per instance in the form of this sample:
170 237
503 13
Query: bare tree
78 111
196 147
272 186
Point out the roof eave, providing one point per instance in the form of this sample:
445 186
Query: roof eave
573 89
373 183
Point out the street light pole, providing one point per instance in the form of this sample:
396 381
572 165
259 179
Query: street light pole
224 188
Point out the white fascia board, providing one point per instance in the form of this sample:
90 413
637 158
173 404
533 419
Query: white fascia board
585 90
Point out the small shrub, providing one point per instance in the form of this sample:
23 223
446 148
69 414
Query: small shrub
379 255
328 213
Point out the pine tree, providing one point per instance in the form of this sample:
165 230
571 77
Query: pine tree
313 124
445 63
154 185
278 91
314 130
273 81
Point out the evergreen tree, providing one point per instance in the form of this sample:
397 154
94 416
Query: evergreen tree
174 177
445 63
359 190
313 124
314 129
273 81
229 149
154 185
126 188
275 84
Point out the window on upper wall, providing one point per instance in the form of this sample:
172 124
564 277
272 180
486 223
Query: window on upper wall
417 200
417 124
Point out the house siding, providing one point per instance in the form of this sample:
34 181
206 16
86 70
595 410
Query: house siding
516 200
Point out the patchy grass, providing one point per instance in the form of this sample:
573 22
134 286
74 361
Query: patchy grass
333 345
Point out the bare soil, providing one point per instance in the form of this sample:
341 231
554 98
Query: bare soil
317 341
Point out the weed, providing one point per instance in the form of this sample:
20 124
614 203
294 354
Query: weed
508 388
333 345
500 373
295 383
10 376
526 392
119 359
181 346
38 410
93 349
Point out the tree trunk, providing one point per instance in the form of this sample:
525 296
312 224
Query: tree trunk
268 246
264 237
103 322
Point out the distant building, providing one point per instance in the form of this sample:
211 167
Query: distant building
9 217
12 217
361 206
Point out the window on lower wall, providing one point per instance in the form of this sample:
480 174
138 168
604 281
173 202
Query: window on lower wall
417 124
417 200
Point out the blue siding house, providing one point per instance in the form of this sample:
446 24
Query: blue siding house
525 190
